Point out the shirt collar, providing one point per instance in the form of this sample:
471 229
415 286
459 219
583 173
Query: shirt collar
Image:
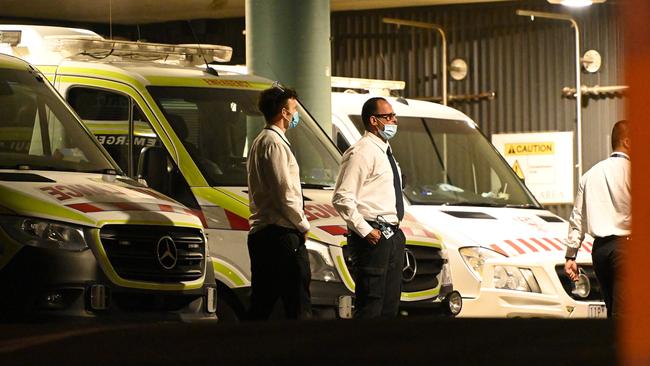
278 130
377 141
621 154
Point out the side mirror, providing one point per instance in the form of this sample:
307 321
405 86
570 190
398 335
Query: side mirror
153 168
341 143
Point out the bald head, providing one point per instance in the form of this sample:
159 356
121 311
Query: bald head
621 135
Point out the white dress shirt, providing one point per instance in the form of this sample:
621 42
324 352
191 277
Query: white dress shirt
603 202
364 188
274 186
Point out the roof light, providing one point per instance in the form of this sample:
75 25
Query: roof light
96 46
381 87
11 38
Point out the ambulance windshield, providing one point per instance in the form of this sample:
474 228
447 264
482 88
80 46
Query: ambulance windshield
449 162
218 125
38 132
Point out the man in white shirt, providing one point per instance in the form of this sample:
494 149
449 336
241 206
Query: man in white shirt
279 228
603 209
368 196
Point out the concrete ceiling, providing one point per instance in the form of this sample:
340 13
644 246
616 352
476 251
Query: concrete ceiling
153 11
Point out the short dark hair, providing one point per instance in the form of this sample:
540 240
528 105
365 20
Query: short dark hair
370 107
272 100
620 131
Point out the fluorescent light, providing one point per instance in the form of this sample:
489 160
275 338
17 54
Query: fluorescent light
576 3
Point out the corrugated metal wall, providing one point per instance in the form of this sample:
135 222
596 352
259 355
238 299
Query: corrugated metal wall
525 63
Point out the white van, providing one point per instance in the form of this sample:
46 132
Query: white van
78 238
185 131
506 251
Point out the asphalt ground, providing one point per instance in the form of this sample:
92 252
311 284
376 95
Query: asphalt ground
404 341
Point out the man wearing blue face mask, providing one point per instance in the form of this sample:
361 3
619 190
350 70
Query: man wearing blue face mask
276 241
368 196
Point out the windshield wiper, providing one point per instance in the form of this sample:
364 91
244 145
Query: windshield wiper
524 205
470 203
316 186
109 171
43 167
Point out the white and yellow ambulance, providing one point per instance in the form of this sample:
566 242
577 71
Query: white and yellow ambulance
184 130
506 251
77 237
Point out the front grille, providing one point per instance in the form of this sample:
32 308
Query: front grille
595 293
429 265
133 251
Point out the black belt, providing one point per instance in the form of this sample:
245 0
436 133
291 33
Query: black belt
376 225
611 237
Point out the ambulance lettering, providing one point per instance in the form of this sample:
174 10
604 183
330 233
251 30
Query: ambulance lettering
66 192
319 211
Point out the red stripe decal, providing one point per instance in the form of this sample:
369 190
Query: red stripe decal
237 222
540 244
530 246
498 249
521 251
85 207
128 206
334 229
587 247
166 208
553 244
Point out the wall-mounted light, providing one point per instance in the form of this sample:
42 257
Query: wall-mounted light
576 3
458 69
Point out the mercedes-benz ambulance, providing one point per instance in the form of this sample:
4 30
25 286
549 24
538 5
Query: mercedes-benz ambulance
77 237
174 123
506 251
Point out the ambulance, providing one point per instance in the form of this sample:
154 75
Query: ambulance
183 128
506 251
78 238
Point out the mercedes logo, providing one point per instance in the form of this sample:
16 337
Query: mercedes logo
410 266
166 252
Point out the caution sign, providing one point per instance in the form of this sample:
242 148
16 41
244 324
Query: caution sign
530 148
517 168
545 159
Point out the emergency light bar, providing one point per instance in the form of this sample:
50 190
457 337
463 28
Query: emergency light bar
96 46
382 87
11 38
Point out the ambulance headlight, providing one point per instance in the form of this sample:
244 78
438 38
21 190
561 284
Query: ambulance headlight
321 262
514 278
475 258
44 233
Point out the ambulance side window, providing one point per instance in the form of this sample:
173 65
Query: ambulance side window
111 117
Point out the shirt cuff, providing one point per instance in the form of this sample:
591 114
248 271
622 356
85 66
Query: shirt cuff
364 229
571 253
303 226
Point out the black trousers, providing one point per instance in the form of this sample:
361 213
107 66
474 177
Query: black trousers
606 256
280 270
377 271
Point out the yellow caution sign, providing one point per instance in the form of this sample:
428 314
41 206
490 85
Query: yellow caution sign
530 148
517 168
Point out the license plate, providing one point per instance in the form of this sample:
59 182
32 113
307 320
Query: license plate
597 311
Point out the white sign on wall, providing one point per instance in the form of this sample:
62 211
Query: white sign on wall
544 160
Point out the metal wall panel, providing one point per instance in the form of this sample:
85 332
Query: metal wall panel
527 63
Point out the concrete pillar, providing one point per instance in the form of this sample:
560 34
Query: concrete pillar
289 41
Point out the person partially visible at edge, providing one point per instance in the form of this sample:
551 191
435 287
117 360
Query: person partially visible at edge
603 209
368 196
279 228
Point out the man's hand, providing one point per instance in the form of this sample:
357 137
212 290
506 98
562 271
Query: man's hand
571 269
373 237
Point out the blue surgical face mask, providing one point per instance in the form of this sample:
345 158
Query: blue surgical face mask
388 132
295 118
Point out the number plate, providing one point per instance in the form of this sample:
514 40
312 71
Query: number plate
597 311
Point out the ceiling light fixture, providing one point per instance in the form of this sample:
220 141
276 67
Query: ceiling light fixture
576 3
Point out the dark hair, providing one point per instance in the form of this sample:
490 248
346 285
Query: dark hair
620 131
272 100
370 107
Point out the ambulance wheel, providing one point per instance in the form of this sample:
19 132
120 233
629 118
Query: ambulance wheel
226 312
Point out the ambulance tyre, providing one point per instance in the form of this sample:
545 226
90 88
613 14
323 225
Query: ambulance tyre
229 310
